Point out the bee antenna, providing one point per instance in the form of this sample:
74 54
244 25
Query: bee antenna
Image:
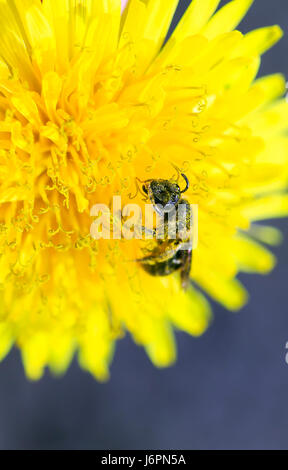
137 181
187 183
178 172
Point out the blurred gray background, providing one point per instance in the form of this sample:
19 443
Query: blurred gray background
228 390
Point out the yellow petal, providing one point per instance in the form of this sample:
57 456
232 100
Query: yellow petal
195 18
195 313
268 207
51 89
259 41
270 87
228 292
265 234
227 18
61 354
161 346
35 352
252 257
148 23
6 340
25 104
159 20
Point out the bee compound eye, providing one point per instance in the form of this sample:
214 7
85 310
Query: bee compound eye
144 189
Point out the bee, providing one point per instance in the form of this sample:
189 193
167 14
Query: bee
164 194
169 255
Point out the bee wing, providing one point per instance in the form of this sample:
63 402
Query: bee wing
186 268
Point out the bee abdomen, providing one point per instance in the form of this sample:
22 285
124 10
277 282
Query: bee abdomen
163 268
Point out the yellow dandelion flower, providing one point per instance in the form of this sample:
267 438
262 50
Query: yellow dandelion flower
90 99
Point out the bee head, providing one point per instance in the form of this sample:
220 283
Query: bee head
165 193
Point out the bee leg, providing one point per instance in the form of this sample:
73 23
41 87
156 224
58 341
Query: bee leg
144 231
138 189
148 231
157 257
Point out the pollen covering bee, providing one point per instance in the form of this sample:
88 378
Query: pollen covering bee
169 255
